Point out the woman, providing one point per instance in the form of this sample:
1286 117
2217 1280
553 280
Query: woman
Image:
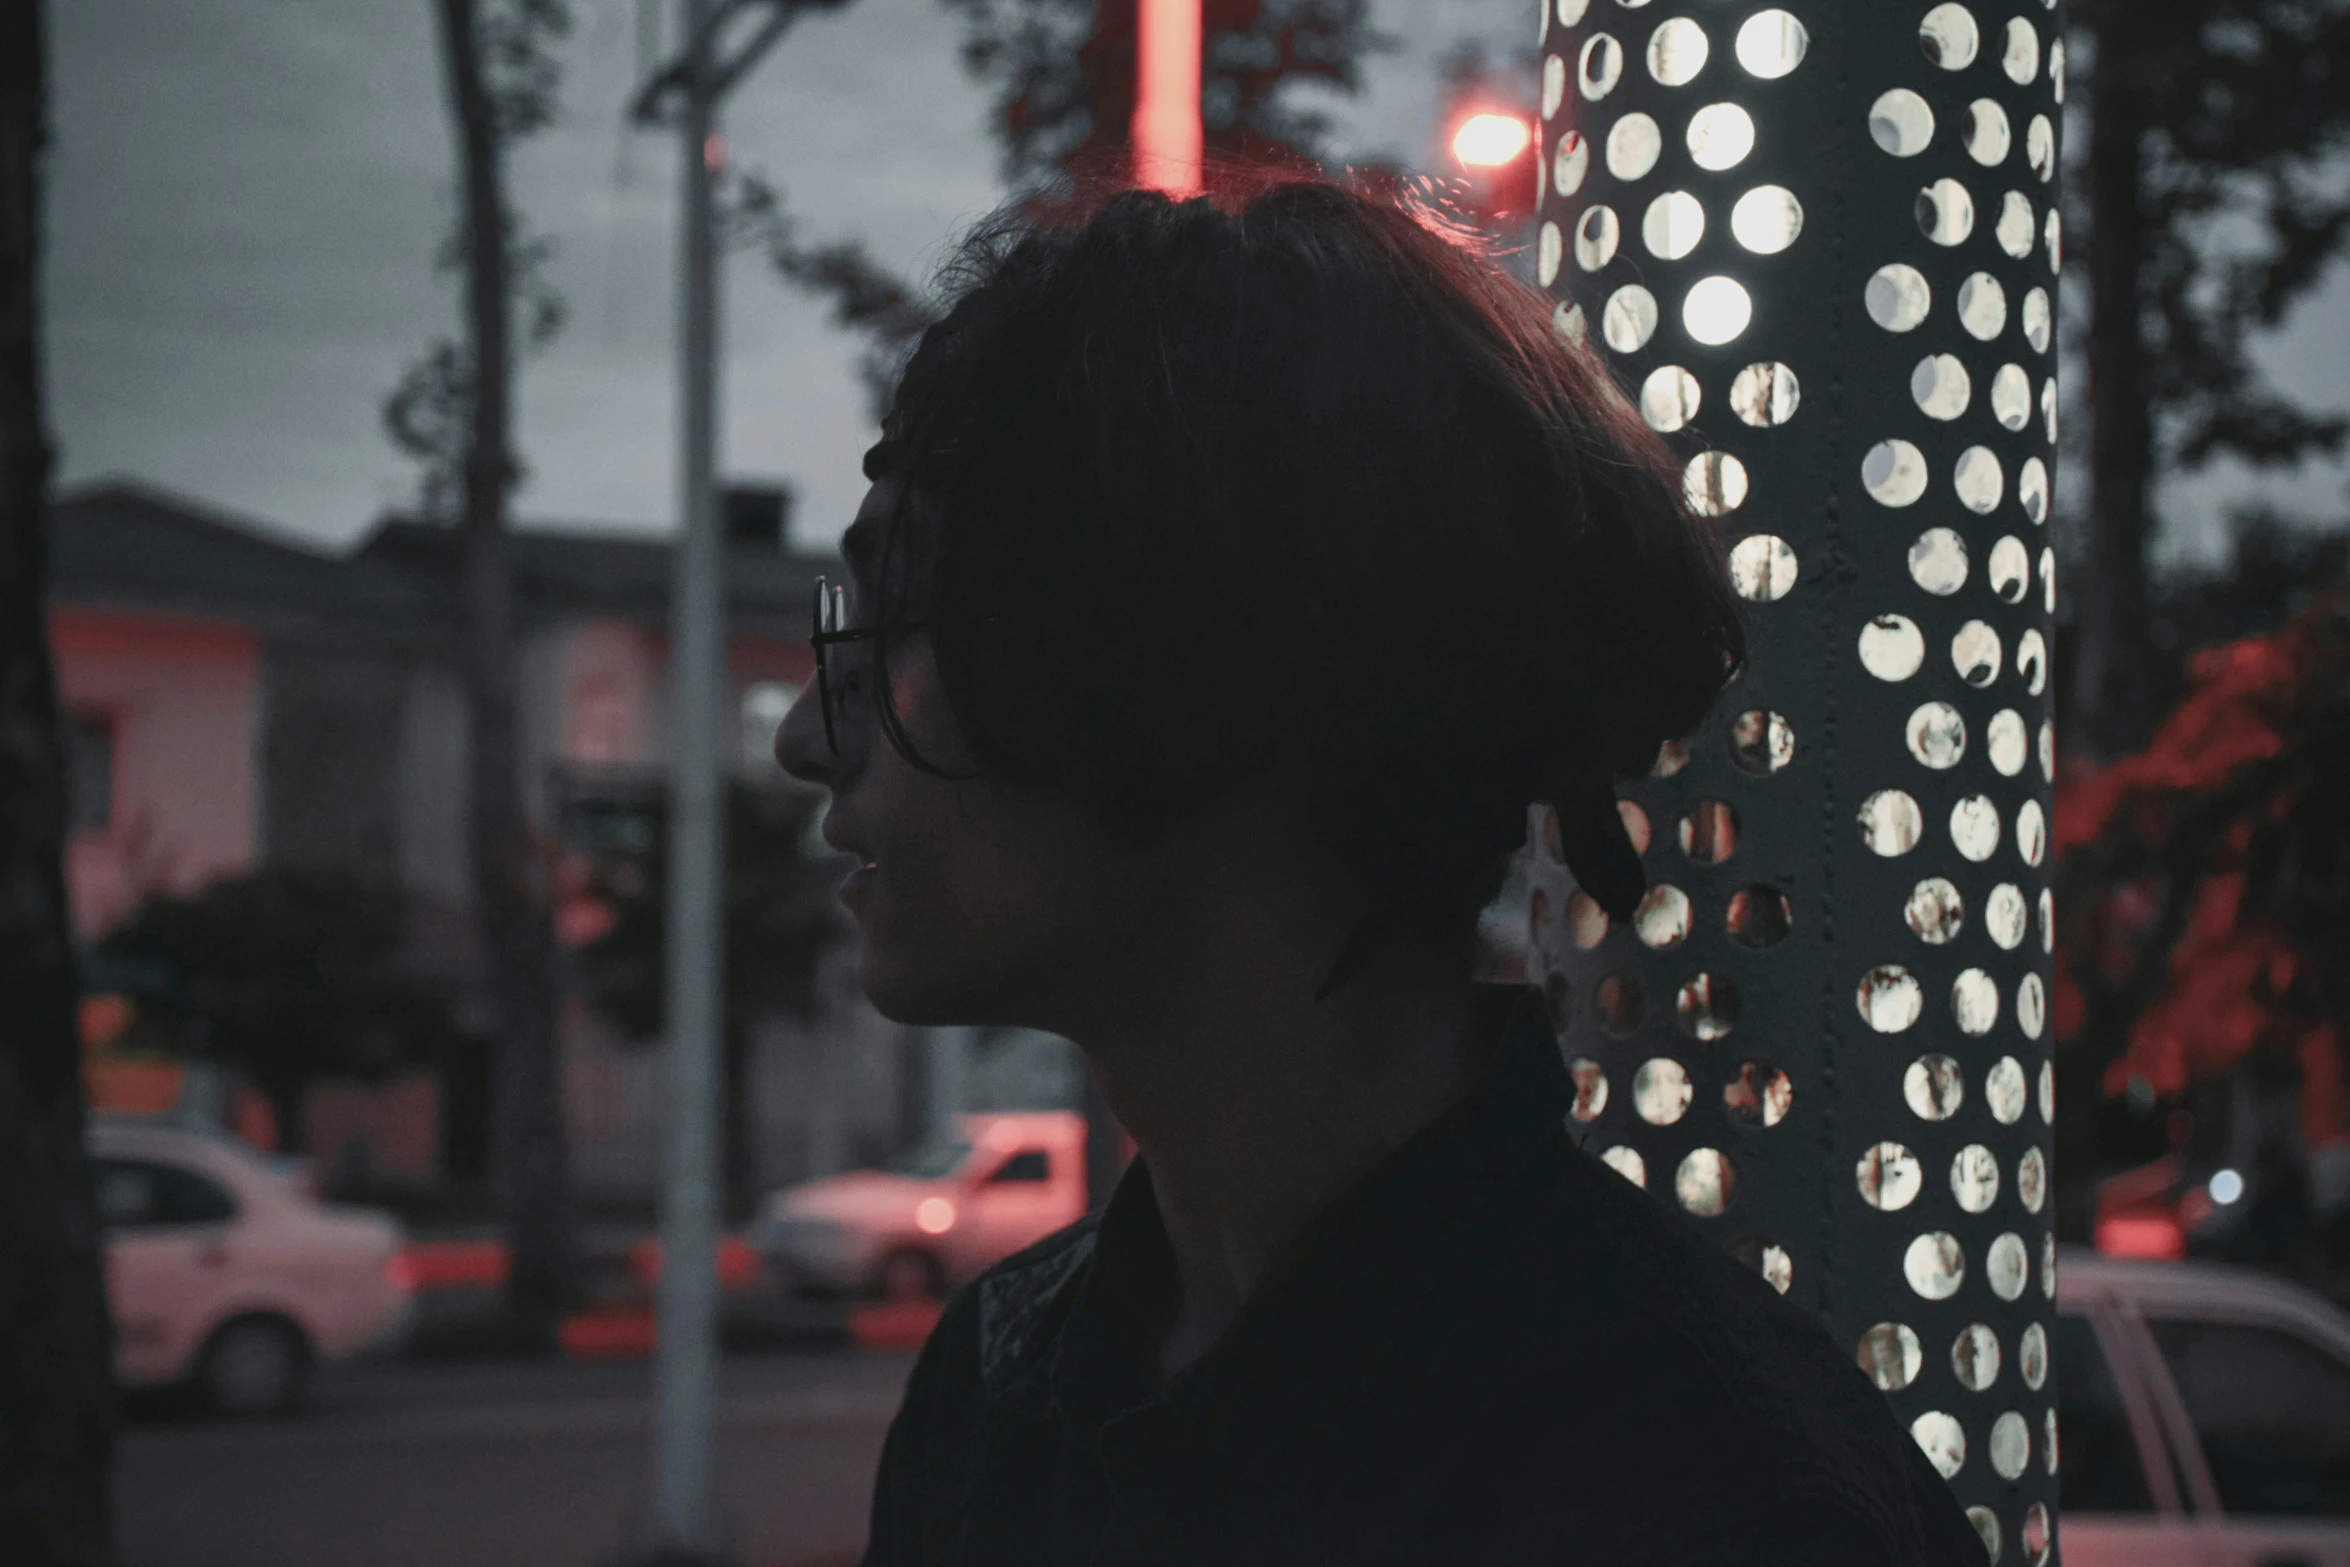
1235 572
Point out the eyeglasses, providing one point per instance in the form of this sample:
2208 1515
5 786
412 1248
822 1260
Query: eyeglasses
840 676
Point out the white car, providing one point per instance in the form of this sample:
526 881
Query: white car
2203 1416
224 1272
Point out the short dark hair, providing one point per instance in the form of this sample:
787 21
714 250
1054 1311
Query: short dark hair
1287 475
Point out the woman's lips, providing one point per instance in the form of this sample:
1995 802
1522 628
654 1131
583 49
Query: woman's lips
859 882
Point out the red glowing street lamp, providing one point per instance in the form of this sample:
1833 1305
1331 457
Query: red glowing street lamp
1495 152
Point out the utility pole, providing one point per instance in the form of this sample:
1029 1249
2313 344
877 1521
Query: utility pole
685 94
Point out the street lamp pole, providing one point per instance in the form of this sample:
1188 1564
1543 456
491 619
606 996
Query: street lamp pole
685 94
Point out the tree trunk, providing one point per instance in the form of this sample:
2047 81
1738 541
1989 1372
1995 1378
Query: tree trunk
56 1371
529 1160
2113 700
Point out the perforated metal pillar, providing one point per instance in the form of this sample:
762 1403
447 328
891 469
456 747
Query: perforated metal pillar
1818 246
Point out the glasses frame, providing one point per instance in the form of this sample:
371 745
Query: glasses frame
829 620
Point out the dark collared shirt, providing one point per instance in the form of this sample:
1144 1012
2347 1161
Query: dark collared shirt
1491 1350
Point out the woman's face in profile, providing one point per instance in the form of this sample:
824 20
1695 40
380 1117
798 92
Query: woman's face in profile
975 902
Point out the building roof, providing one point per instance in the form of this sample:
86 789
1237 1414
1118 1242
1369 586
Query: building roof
122 544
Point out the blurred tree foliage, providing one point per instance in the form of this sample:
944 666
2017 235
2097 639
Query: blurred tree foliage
291 974
780 917
2204 882
2213 201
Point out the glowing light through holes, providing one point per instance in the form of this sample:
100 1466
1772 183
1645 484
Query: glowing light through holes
1716 309
1767 219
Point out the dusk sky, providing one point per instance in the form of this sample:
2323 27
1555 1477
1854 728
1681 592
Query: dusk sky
246 195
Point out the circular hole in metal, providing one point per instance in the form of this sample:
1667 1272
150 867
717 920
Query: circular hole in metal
1761 742
2040 147
2031 1356
1889 1176
2031 1005
1546 255
2052 236
2011 569
2038 1537
2031 489
1621 1006
2020 59
1720 136
1660 1091
1758 917
1762 567
1974 653
1662 920
1554 86
1974 827
1891 1355
1894 473
2004 1091
1946 212
1978 480
1629 320
1771 44
2006 1265
1890 998
1669 398
1707 1006
1597 233
2039 321
1892 647
1897 296
1671 757
1627 1163
1772 1262
1570 163
1590 1080
1673 225
2004 916
1940 386
1568 326
1635 822
1936 735
1709 832
1982 306
1987 1529
1934 1087
1677 51
1935 913
1901 122
1974 1178
1765 394
1986 134
1600 66
2006 742
1891 823
1934 1264
1633 146
2031 1180
1937 562
2048 575
1586 920
1760 1095
2014 230
1716 309
1767 219
1713 484
2033 661
1949 38
1706 1182
1974 1357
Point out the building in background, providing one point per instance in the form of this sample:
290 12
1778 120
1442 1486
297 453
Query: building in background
237 700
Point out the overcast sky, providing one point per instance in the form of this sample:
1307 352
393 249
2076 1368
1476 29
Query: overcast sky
246 196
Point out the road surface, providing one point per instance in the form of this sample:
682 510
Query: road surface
534 1464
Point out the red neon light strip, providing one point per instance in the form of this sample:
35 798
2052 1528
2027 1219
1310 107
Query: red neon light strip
1167 137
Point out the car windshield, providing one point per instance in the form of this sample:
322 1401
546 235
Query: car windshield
928 1160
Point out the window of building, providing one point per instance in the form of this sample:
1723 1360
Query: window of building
89 771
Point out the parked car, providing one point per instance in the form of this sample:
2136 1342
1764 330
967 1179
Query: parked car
2203 1417
934 1215
224 1272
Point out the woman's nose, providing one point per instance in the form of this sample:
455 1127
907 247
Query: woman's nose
801 748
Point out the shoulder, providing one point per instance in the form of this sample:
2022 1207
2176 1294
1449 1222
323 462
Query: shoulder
995 1338
1676 1349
